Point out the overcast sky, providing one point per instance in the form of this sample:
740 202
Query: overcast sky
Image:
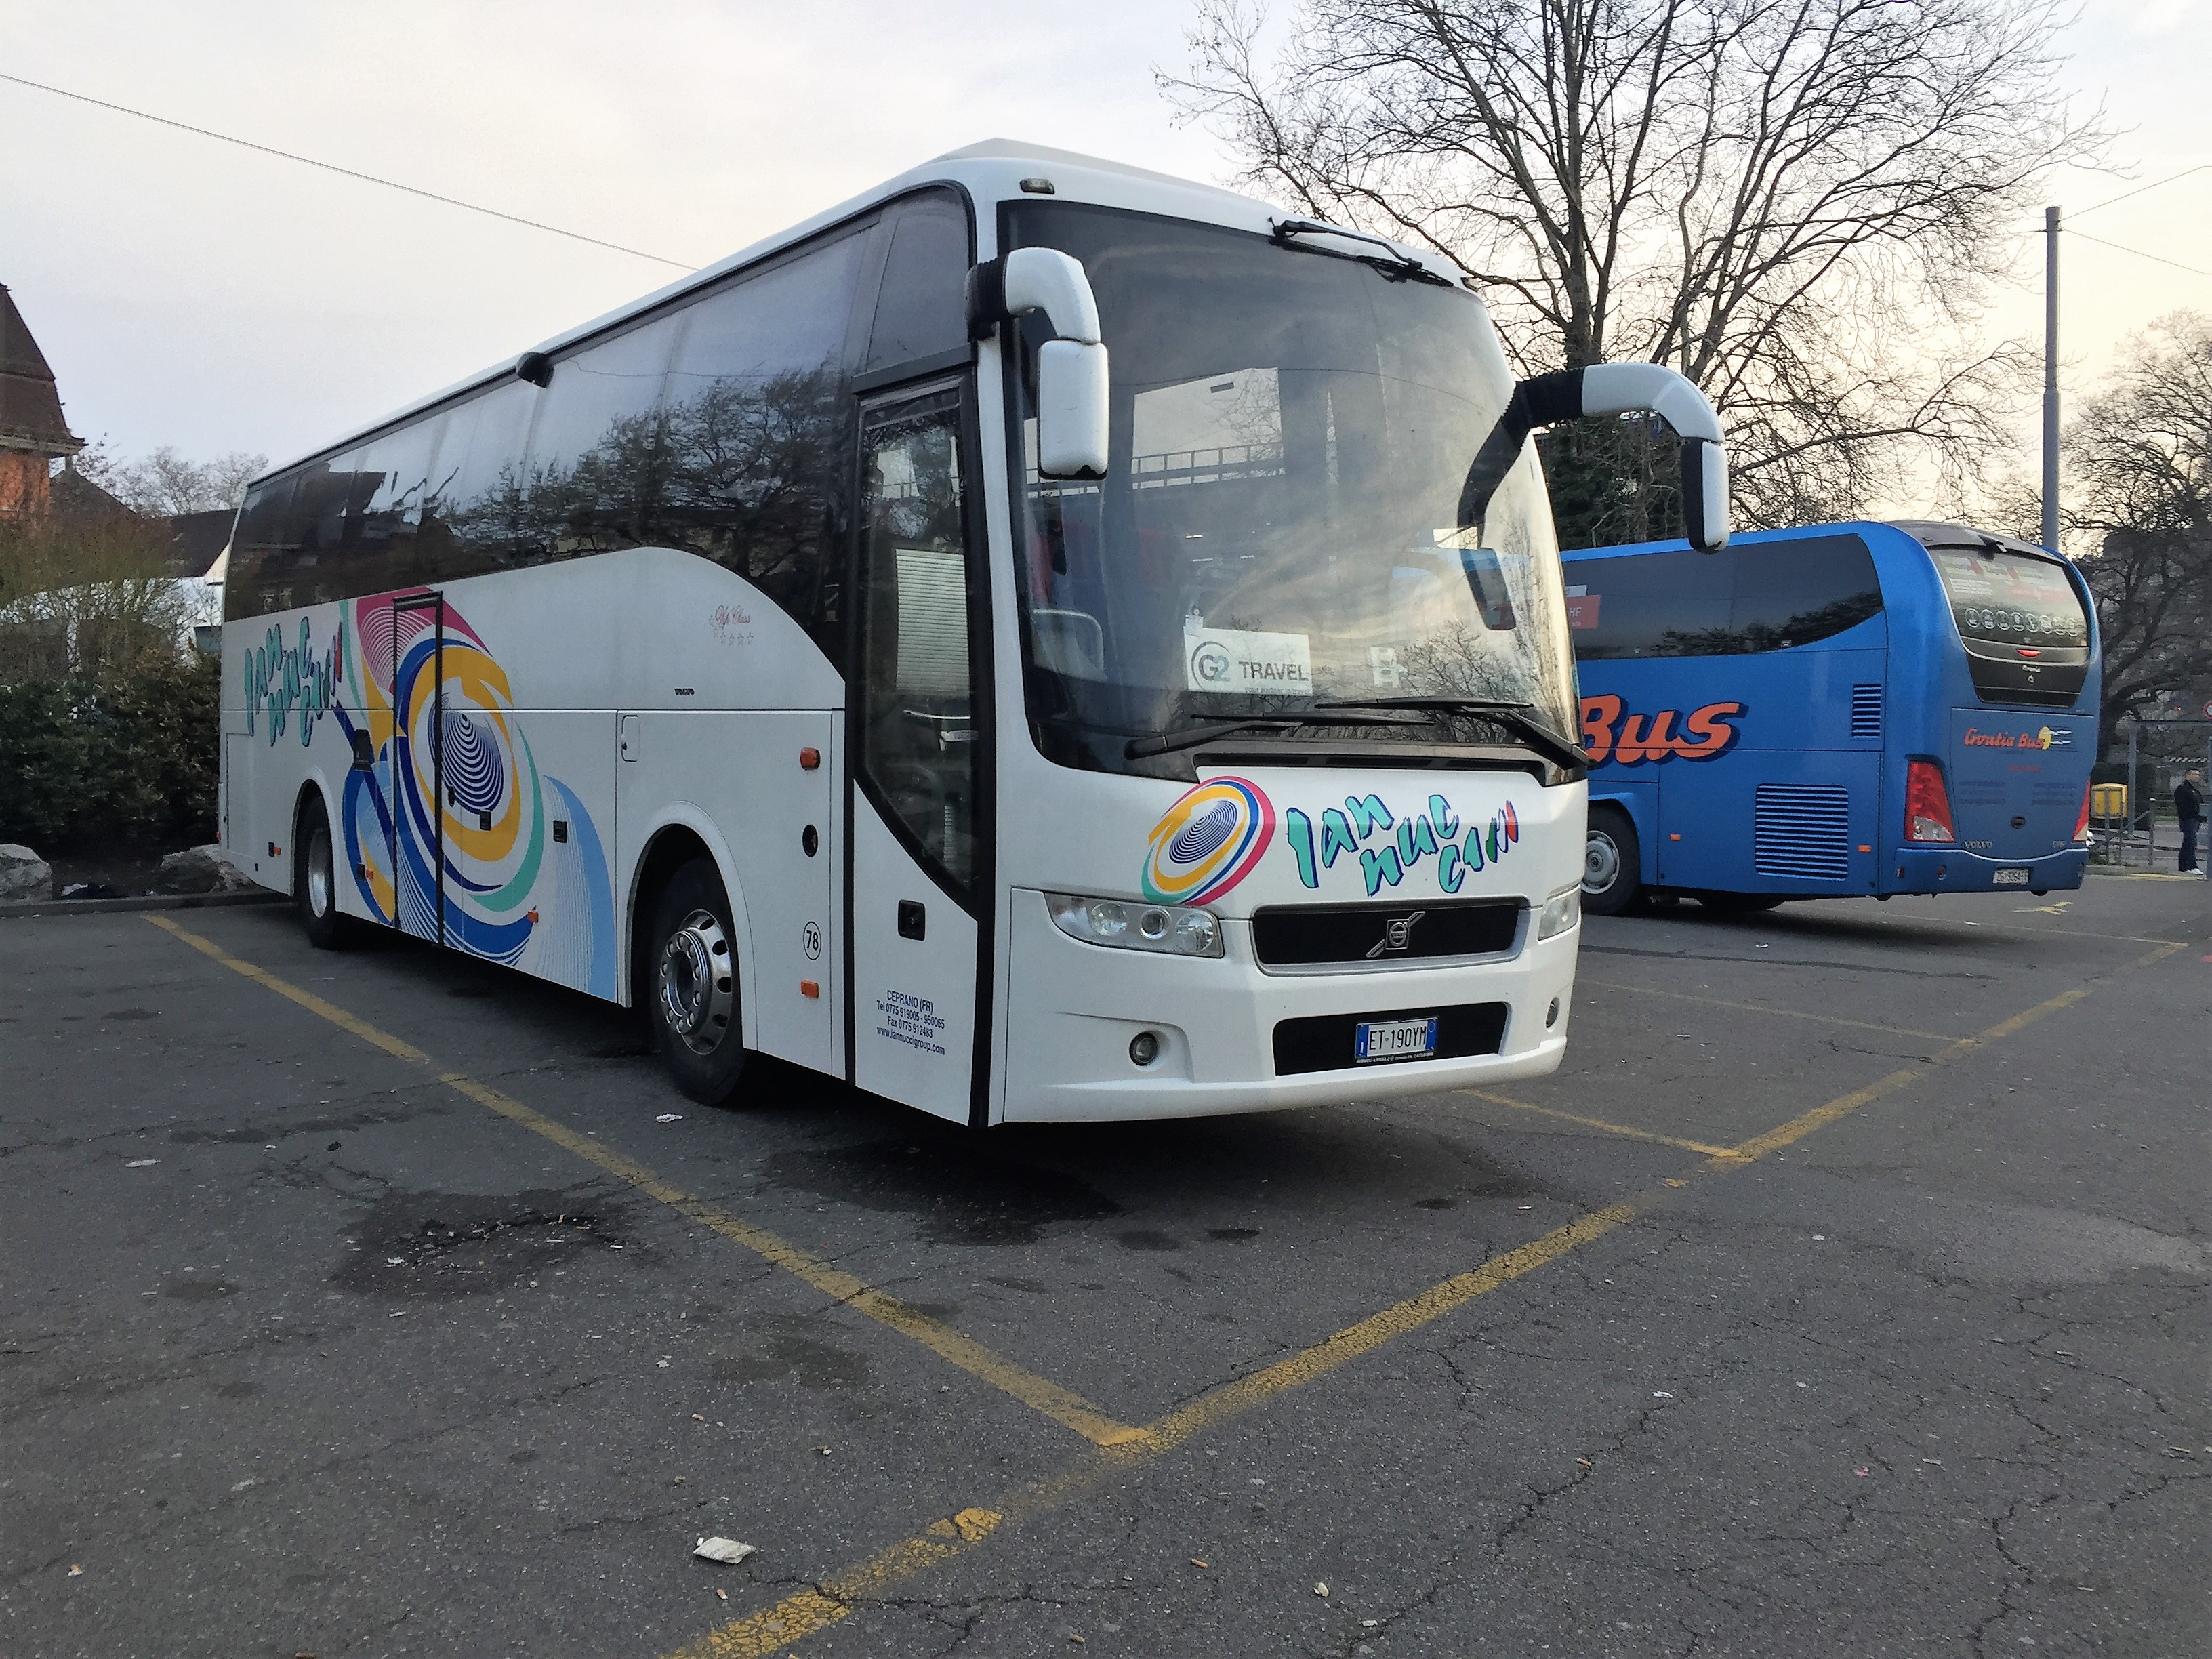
190 293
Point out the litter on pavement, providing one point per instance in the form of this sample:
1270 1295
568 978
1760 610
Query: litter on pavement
726 1550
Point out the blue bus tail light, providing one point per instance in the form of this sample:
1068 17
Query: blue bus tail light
2081 823
1927 802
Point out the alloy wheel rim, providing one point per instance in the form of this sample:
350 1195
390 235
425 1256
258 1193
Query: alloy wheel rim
318 874
1601 862
697 986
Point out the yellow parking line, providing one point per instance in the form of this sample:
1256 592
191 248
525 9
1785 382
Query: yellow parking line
1063 1406
797 1617
1697 1146
1798 1127
1763 1008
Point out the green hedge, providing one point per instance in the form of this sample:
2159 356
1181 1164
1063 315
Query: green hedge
129 755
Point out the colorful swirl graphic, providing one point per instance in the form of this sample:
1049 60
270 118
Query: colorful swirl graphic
448 833
1208 841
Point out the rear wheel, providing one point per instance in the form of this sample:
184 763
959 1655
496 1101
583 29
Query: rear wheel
691 988
314 880
1612 862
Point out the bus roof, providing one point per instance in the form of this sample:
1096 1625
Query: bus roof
1928 532
991 172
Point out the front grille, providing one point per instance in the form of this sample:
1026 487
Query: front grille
1324 1043
1802 830
1353 935
1866 711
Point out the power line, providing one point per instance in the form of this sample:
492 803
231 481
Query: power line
2160 184
2160 258
366 178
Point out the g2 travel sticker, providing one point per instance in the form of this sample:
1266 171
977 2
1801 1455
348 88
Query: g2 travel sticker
1235 659
1207 841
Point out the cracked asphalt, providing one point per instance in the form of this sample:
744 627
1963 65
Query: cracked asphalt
304 1351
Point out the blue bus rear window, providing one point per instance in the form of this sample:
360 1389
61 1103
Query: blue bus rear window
2010 599
1742 600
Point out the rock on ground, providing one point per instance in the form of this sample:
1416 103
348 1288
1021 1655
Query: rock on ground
200 869
24 874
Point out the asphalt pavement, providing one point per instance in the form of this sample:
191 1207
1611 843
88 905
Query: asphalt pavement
1842 1294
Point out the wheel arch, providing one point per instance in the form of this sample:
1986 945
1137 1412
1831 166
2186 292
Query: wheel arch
1640 809
680 834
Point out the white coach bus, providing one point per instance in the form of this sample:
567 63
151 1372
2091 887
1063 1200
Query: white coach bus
1043 640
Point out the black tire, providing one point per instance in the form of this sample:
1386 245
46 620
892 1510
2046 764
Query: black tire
1737 904
690 985
315 880
1613 864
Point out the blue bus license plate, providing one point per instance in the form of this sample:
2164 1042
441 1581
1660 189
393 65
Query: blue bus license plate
2009 878
1379 1039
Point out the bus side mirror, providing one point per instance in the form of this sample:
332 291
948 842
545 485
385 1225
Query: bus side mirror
1631 388
1073 405
1072 410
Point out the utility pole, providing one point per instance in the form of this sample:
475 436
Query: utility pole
2051 378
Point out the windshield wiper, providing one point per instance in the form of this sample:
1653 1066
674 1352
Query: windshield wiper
1190 737
1515 717
1396 266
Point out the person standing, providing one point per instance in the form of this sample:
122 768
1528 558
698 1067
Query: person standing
2189 807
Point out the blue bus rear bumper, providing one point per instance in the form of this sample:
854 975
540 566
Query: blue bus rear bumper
1954 870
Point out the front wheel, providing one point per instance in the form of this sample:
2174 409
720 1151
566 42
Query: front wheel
1612 863
692 987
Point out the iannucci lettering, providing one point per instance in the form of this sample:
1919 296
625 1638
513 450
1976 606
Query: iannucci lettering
1613 735
1434 834
281 678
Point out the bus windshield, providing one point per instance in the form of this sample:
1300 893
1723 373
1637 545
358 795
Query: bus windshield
1278 528
2004 598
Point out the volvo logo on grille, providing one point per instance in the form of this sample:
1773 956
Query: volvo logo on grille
1397 935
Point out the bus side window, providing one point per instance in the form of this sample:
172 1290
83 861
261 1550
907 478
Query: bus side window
1795 593
597 467
758 432
922 311
260 549
467 521
918 737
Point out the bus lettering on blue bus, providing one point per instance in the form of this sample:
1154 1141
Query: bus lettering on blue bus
1611 734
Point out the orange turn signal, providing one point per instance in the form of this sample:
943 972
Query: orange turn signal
807 988
810 758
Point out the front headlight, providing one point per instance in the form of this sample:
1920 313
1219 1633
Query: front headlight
1561 911
1169 929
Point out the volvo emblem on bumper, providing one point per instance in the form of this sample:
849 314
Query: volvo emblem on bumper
1397 934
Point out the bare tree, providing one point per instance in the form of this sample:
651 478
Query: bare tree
2139 457
1797 205
166 484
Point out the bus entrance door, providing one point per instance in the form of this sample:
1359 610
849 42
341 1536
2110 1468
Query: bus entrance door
920 741
414 765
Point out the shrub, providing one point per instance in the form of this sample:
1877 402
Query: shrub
126 755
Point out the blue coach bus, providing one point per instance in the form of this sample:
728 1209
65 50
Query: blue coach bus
1832 712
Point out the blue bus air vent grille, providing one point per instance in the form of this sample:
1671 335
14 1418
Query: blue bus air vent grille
1802 830
1866 712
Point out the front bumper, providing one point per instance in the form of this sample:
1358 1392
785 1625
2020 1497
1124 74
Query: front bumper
1925 869
1073 1008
